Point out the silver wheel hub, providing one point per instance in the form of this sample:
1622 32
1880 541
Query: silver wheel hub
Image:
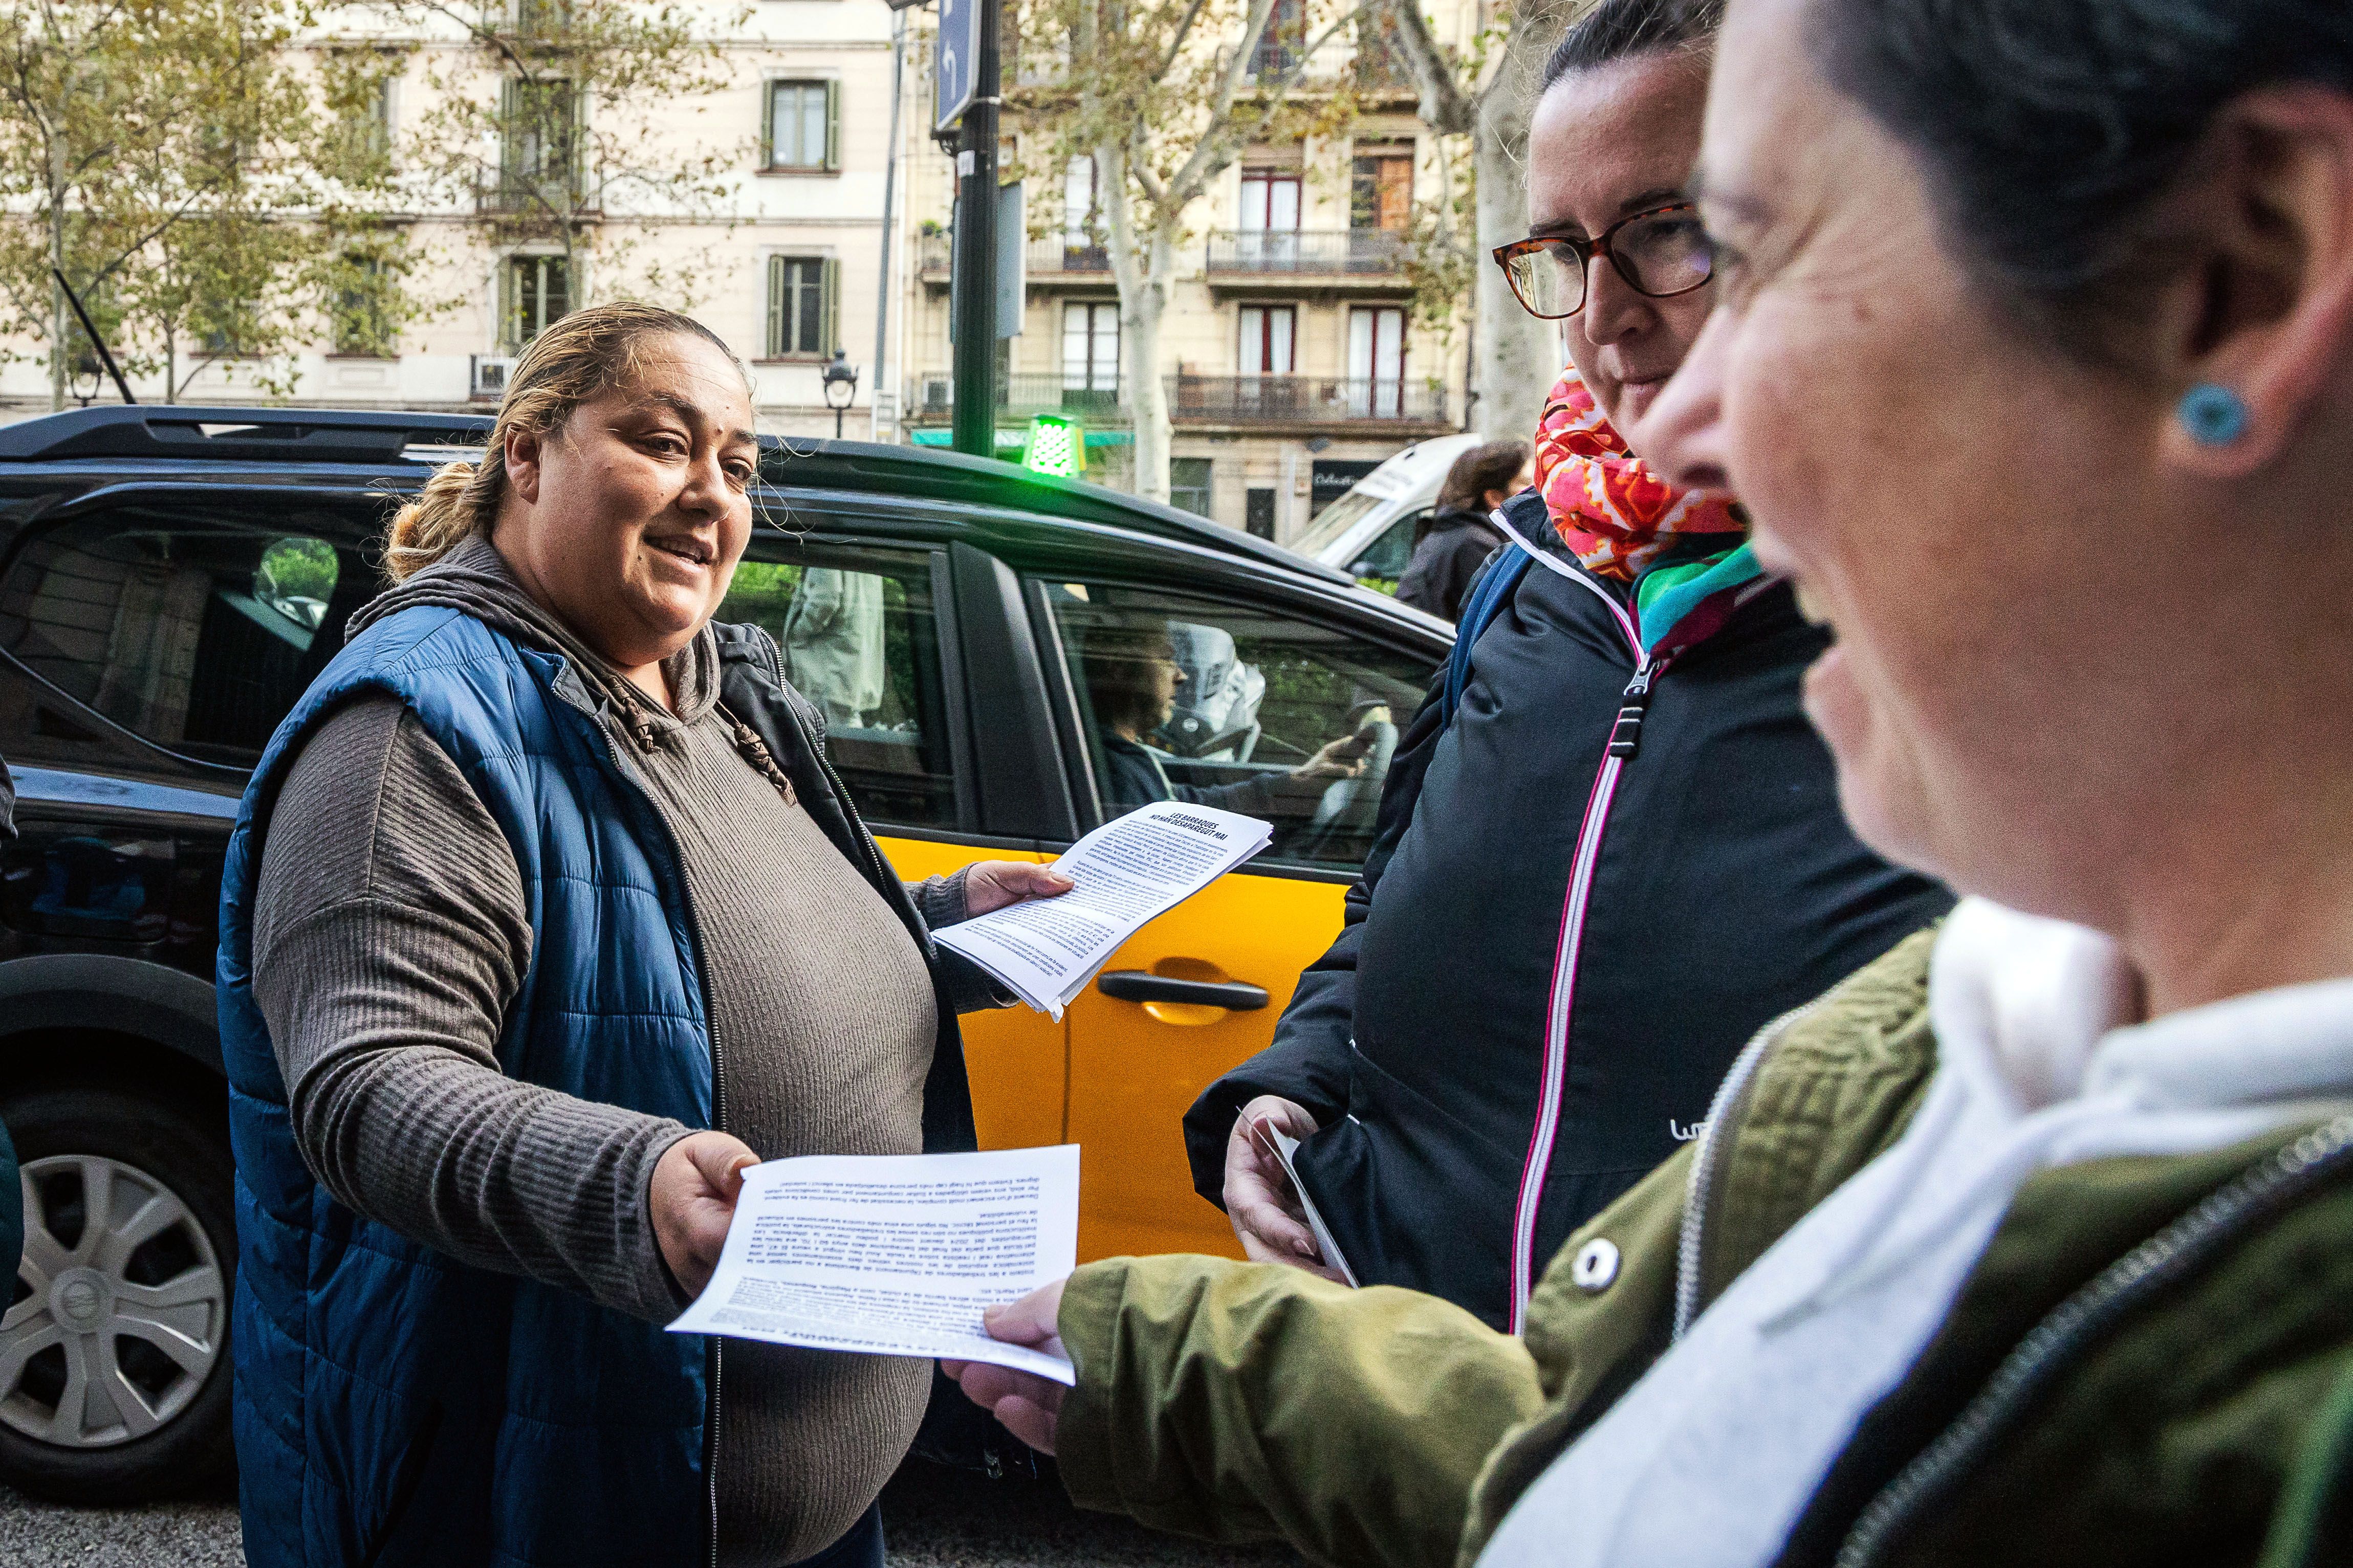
122 1307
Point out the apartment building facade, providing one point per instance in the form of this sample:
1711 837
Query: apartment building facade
1290 352
787 264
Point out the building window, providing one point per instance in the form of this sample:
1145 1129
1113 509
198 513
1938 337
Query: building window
1268 331
539 152
802 305
1091 348
1271 200
541 18
1380 191
1258 513
1376 361
803 125
538 293
1380 54
1190 481
362 104
1284 46
1078 203
363 290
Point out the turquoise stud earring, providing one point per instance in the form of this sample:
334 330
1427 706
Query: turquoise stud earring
2212 414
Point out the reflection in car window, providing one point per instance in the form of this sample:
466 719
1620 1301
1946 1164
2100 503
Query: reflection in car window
1383 562
859 643
198 638
1229 705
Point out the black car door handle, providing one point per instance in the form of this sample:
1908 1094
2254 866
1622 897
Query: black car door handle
1142 986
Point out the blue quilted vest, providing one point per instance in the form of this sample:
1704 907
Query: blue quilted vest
394 1405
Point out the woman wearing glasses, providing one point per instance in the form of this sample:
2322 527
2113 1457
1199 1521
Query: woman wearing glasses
1616 851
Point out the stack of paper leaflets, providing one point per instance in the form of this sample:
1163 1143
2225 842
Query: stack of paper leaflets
1128 870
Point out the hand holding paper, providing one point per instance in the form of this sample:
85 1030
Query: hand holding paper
1029 1406
895 1254
1128 871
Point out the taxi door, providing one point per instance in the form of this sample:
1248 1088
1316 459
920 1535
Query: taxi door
1232 703
1191 995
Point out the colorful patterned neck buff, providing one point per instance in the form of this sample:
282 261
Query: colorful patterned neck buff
1609 507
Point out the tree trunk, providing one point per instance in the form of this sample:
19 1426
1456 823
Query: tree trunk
1514 357
1141 267
1140 314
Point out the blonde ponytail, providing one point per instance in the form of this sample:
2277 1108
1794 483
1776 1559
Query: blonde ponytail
578 358
461 499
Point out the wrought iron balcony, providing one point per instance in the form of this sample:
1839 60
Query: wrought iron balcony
1370 253
1054 256
933 399
1304 400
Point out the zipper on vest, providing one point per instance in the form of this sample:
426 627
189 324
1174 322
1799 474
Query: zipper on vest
1707 1159
1624 740
2156 1265
718 1097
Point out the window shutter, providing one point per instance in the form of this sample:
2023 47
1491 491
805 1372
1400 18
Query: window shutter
778 282
832 127
829 305
768 128
511 131
506 305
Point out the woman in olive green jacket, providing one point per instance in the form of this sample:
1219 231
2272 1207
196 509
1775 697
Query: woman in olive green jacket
2033 363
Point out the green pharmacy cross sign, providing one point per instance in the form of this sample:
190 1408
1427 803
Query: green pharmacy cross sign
1055 446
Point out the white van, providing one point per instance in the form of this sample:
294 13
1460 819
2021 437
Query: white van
1368 533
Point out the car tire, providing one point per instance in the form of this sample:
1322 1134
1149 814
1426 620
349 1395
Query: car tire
132 1314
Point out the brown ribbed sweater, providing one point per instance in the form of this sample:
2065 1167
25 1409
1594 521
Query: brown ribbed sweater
390 935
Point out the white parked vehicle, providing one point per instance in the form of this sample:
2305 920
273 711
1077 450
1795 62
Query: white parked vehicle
1368 533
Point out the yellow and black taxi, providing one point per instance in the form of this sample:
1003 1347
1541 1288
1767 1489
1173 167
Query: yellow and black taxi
1003 660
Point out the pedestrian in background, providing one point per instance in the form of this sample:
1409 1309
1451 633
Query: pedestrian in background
1610 845
1459 538
542 918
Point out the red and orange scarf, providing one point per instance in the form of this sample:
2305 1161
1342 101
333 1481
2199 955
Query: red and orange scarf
1609 506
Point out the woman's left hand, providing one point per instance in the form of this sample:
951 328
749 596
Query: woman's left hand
1029 1406
993 884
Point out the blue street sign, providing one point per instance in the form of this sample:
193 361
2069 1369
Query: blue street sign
959 64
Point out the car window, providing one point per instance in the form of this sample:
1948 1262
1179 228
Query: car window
1335 521
198 637
860 643
1231 705
1384 561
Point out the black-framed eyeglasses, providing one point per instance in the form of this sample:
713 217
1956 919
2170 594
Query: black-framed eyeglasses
1661 252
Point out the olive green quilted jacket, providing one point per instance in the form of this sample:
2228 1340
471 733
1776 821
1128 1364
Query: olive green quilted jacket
2133 1368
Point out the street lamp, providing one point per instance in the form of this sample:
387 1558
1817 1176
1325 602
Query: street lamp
840 374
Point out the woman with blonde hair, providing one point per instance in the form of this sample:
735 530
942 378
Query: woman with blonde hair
545 915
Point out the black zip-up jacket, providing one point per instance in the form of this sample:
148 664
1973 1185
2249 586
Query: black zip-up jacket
1446 561
1468 985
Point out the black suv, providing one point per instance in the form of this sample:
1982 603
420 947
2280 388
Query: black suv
172 579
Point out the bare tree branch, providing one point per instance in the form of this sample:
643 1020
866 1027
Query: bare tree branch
1445 106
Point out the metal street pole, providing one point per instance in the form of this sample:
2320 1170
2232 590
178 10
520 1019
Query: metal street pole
976 250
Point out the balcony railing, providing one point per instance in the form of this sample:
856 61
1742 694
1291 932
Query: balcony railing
935 255
1200 400
1303 253
933 399
1302 400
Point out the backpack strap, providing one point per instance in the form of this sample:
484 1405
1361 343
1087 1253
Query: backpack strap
1511 565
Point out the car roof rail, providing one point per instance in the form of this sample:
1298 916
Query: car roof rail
364 437
300 435
798 462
